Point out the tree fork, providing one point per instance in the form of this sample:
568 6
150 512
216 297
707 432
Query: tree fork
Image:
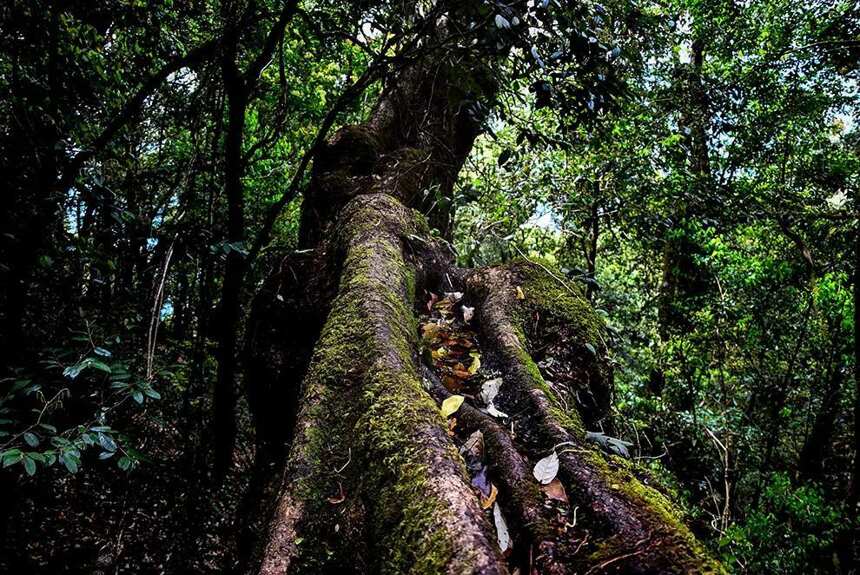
373 482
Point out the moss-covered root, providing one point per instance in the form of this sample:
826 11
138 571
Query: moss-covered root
519 494
373 482
637 529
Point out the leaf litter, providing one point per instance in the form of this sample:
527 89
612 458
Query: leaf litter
450 345
451 348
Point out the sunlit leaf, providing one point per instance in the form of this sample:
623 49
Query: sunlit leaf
451 405
547 468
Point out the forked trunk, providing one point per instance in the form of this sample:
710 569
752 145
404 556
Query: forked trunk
372 479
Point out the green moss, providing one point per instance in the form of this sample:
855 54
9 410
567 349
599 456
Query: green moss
548 291
406 519
618 474
570 420
391 408
422 226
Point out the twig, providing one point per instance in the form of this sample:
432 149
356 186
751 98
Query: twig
613 560
348 460
38 419
156 312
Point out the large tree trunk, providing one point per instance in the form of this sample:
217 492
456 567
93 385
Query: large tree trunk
816 448
373 481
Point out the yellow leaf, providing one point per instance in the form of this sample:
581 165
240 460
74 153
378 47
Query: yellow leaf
475 365
520 293
430 330
487 502
451 405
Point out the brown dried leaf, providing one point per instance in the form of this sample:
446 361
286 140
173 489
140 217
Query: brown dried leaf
474 445
487 502
433 299
430 330
555 490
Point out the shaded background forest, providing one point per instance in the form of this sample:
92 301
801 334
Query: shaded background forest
703 192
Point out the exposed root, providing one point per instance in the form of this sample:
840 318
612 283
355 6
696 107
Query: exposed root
541 532
403 504
634 525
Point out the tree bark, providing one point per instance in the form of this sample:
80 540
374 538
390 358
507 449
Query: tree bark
224 423
372 480
816 448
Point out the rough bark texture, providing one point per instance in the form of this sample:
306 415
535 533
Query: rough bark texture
636 529
373 481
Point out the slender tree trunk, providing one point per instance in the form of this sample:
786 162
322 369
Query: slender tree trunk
681 276
849 540
239 87
589 244
817 445
225 392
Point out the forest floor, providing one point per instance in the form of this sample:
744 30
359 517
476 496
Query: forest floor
164 516
471 381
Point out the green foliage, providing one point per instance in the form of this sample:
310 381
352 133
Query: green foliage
692 166
791 531
710 218
37 430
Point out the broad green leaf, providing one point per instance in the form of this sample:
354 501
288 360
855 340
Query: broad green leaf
451 405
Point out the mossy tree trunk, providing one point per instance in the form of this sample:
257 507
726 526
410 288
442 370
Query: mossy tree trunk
363 474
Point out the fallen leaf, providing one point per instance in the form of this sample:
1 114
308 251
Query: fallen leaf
433 299
480 481
490 389
452 404
501 528
555 490
452 426
618 446
468 313
340 498
454 296
491 409
474 445
547 468
430 330
462 373
451 383
476 363
487 502
520 293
